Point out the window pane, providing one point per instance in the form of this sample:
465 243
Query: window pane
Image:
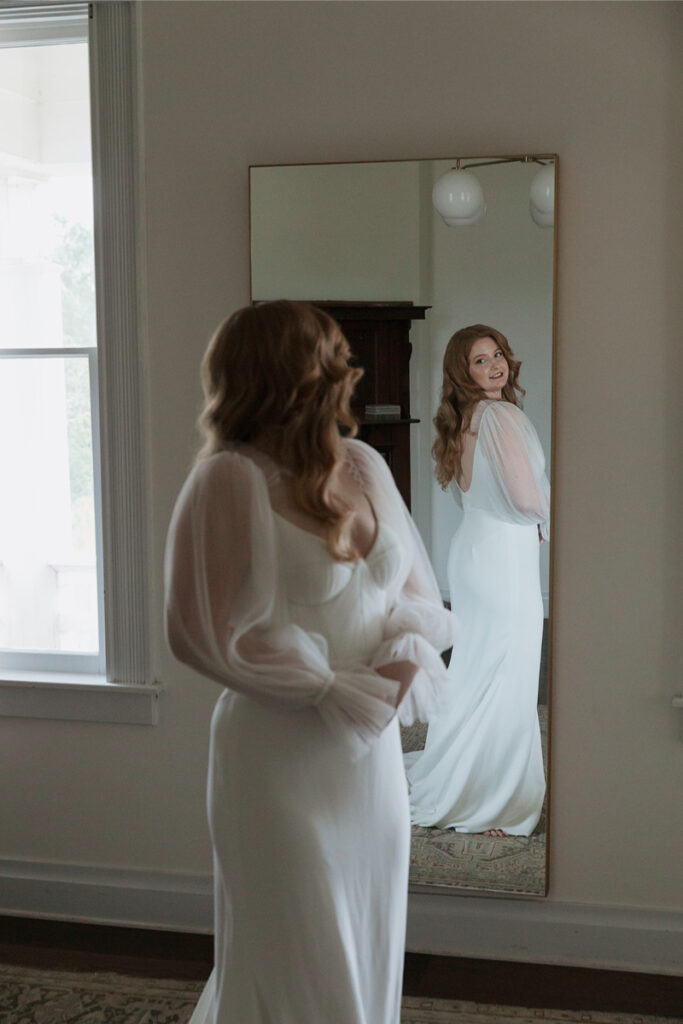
48 579
47 294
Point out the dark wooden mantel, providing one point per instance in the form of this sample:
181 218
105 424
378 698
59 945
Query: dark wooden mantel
378 333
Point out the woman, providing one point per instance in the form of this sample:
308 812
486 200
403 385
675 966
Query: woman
482 766
296 579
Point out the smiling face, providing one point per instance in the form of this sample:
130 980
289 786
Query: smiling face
488 367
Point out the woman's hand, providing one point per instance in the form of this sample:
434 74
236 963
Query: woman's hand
402 672
541 539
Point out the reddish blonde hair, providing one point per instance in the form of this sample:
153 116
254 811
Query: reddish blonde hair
460 394
276 374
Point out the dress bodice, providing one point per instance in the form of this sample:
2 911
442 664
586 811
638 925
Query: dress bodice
259 604
346 602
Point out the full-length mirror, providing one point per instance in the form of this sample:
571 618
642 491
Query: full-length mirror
366 241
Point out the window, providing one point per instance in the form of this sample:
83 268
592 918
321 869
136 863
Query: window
72 537
51 592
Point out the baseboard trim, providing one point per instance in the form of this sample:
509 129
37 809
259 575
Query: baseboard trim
94 895
521 930
543 932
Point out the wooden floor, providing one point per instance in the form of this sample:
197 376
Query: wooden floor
83 947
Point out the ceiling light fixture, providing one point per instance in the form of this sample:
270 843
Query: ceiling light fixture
459 198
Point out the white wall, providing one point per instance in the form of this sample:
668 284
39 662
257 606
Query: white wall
226 85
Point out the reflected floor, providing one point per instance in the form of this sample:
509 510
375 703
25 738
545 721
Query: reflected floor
453 860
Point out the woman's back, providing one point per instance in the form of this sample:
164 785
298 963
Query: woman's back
503 467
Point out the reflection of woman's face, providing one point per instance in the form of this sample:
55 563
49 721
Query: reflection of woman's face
488 367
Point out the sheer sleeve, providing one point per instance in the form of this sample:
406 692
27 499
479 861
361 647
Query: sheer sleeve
222 615
520 492
418 627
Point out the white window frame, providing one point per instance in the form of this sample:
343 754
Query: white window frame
125 692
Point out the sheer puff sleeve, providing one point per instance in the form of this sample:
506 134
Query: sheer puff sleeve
418 627
222 607
520 492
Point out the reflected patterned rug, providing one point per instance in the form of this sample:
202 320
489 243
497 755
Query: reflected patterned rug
453 860
36 996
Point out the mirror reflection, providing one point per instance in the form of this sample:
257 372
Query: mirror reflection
366 242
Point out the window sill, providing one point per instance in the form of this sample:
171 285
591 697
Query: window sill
69 697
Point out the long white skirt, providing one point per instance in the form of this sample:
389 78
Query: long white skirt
482 766
311 855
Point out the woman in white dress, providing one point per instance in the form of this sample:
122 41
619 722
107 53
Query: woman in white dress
482 767
296 579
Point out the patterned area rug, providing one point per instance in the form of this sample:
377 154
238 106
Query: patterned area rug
32 996
453 860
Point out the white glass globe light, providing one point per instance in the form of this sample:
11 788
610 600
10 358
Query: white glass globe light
542 197
459 198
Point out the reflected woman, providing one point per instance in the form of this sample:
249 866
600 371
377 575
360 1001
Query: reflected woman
482 766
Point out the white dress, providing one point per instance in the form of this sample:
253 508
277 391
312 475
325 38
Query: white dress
482 764
307 798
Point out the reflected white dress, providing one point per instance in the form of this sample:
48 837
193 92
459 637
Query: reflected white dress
482 765
307 799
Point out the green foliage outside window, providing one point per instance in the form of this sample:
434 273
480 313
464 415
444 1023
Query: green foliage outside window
74 254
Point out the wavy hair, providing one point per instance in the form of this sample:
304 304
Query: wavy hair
276 374
460 394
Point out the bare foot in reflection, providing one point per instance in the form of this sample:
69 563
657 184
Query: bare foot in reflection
496 833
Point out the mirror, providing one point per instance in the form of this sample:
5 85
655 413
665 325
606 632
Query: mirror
365 241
